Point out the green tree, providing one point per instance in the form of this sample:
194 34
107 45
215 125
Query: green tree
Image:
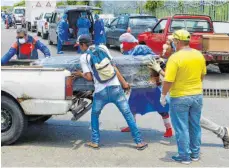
6 8
21 3
152 5
61 3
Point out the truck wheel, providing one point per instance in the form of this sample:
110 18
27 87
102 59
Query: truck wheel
43 35
13 121
224 68
40 120
108 45
49 41
28 26
38 33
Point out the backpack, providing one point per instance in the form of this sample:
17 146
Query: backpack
101 65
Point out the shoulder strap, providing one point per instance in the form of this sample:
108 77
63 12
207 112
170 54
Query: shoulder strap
105 52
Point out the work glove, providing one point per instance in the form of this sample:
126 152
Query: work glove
154 65
163 100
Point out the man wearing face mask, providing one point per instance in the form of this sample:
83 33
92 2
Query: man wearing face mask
62 32
25 47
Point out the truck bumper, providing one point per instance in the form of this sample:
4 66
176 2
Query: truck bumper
70 42
45 107
222 58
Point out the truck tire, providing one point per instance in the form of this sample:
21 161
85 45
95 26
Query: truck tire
40 120
13 123
49 41
38 33
108 45
224 68
43 35
28 26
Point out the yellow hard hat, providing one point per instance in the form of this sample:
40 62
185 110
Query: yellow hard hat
182 35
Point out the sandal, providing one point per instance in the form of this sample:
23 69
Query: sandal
142 147
92 145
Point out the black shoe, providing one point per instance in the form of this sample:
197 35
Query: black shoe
226 138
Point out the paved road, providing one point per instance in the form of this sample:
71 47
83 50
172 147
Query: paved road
60 142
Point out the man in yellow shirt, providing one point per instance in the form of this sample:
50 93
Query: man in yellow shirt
185 70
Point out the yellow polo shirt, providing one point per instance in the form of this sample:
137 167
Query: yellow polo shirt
184 68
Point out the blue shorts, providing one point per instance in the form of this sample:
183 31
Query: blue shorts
146 100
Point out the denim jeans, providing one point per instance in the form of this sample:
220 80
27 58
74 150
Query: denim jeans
116 95
185 115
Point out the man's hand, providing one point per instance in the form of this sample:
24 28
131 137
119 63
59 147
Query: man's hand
77 74
126 87
101 32
163 100
154 65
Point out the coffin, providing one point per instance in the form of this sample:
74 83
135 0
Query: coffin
133 69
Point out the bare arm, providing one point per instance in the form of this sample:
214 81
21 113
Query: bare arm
121 79
87 76
166 87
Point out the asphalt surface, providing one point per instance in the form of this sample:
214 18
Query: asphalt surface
60 142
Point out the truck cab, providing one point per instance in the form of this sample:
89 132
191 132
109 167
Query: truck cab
197 25
19 12
73 13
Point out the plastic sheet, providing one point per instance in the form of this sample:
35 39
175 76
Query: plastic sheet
134 70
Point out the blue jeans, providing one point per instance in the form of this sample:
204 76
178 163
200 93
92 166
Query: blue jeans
185 115
116 95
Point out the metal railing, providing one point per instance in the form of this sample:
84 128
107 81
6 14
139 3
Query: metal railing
218 10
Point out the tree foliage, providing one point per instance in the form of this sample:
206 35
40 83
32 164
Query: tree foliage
152 5
21 3
6 8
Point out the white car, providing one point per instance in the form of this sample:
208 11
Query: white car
43 24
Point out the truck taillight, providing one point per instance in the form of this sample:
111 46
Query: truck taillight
46 25
68 88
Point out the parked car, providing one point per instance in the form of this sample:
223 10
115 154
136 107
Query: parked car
197 25
43 24
73 13
137 24
18 13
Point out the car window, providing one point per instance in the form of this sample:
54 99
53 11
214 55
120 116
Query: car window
192 25
114 22
19 11
58 17
48 15
122 22
160 27
142 22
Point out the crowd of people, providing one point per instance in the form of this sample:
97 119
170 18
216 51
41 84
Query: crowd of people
178 96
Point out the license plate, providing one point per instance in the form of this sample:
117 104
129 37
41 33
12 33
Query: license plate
225 58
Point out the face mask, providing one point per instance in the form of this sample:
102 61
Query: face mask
173 46
21 41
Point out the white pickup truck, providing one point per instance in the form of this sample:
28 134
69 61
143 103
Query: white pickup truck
34 94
